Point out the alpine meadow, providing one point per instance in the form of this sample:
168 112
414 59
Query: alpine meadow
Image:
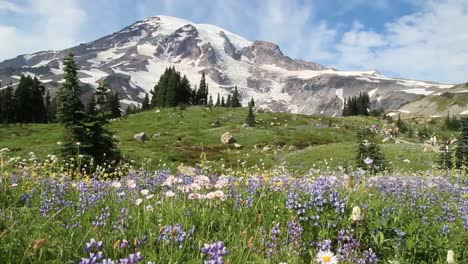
174 141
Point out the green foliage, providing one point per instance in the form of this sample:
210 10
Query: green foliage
369 155
357 105
250 120
461 152
90 108
145 105
235 100
402 127
172 90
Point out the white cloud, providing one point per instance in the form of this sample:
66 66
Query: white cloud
56 24
430 44
10 7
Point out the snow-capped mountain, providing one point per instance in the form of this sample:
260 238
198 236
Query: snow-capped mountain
132 59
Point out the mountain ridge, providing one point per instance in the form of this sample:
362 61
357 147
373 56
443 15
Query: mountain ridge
133 58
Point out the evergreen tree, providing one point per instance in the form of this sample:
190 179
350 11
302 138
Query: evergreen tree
202 93
210 101
250 120
38 108
47 105
114 105
235 100
23 100
52 110
369 156
229 101
90 108
401 125
218 101
145 105
184 91
461 152
70 113
252 103
7 105
223 104
103 146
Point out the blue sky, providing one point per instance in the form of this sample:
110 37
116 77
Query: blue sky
418 39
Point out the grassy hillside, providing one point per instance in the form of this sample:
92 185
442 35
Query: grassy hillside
301 142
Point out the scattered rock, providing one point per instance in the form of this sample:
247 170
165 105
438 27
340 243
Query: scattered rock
292 148
227 138
238 146
156 135
187 170
406 160
142 137
216 124
387 139
245 125
266 148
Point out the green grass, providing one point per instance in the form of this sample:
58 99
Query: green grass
185 134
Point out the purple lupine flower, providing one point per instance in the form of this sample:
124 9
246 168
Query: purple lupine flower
125 244
215 252
272 244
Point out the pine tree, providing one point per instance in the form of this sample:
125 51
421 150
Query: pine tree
368 155
7 105
23 100
461 152
223 104
70 113
218 101
145 105
184 91
103 146
250 120
38 109
202 93
252 103
90 109
114 105
48 105
235 100
210 101
229 101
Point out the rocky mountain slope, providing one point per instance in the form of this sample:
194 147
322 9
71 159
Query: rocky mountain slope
132 59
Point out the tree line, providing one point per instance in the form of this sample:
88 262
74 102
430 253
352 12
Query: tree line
30 102
357 105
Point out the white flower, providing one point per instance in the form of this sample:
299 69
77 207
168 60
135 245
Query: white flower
59 143
138 201
144 192
149 208
210 195
368 161
131 184
116 184
450 257
169 194
356 214
219 194
326 257
78 143
194 196
149 197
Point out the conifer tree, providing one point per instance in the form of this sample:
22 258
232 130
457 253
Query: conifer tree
38 109
250 120
235 100
223 104
70 112
461 152
229 101
252 103
23 100
103 146
145 105
114 105
90 109
210 101
202 93
218 101
7 105
369 156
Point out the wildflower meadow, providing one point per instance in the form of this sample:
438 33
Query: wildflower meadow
192 215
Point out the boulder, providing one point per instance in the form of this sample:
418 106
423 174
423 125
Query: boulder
238 146
187 170
216 124
245 125
227 138
266 148
156 135
142 137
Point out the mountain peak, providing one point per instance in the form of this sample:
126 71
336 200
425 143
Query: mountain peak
132 59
